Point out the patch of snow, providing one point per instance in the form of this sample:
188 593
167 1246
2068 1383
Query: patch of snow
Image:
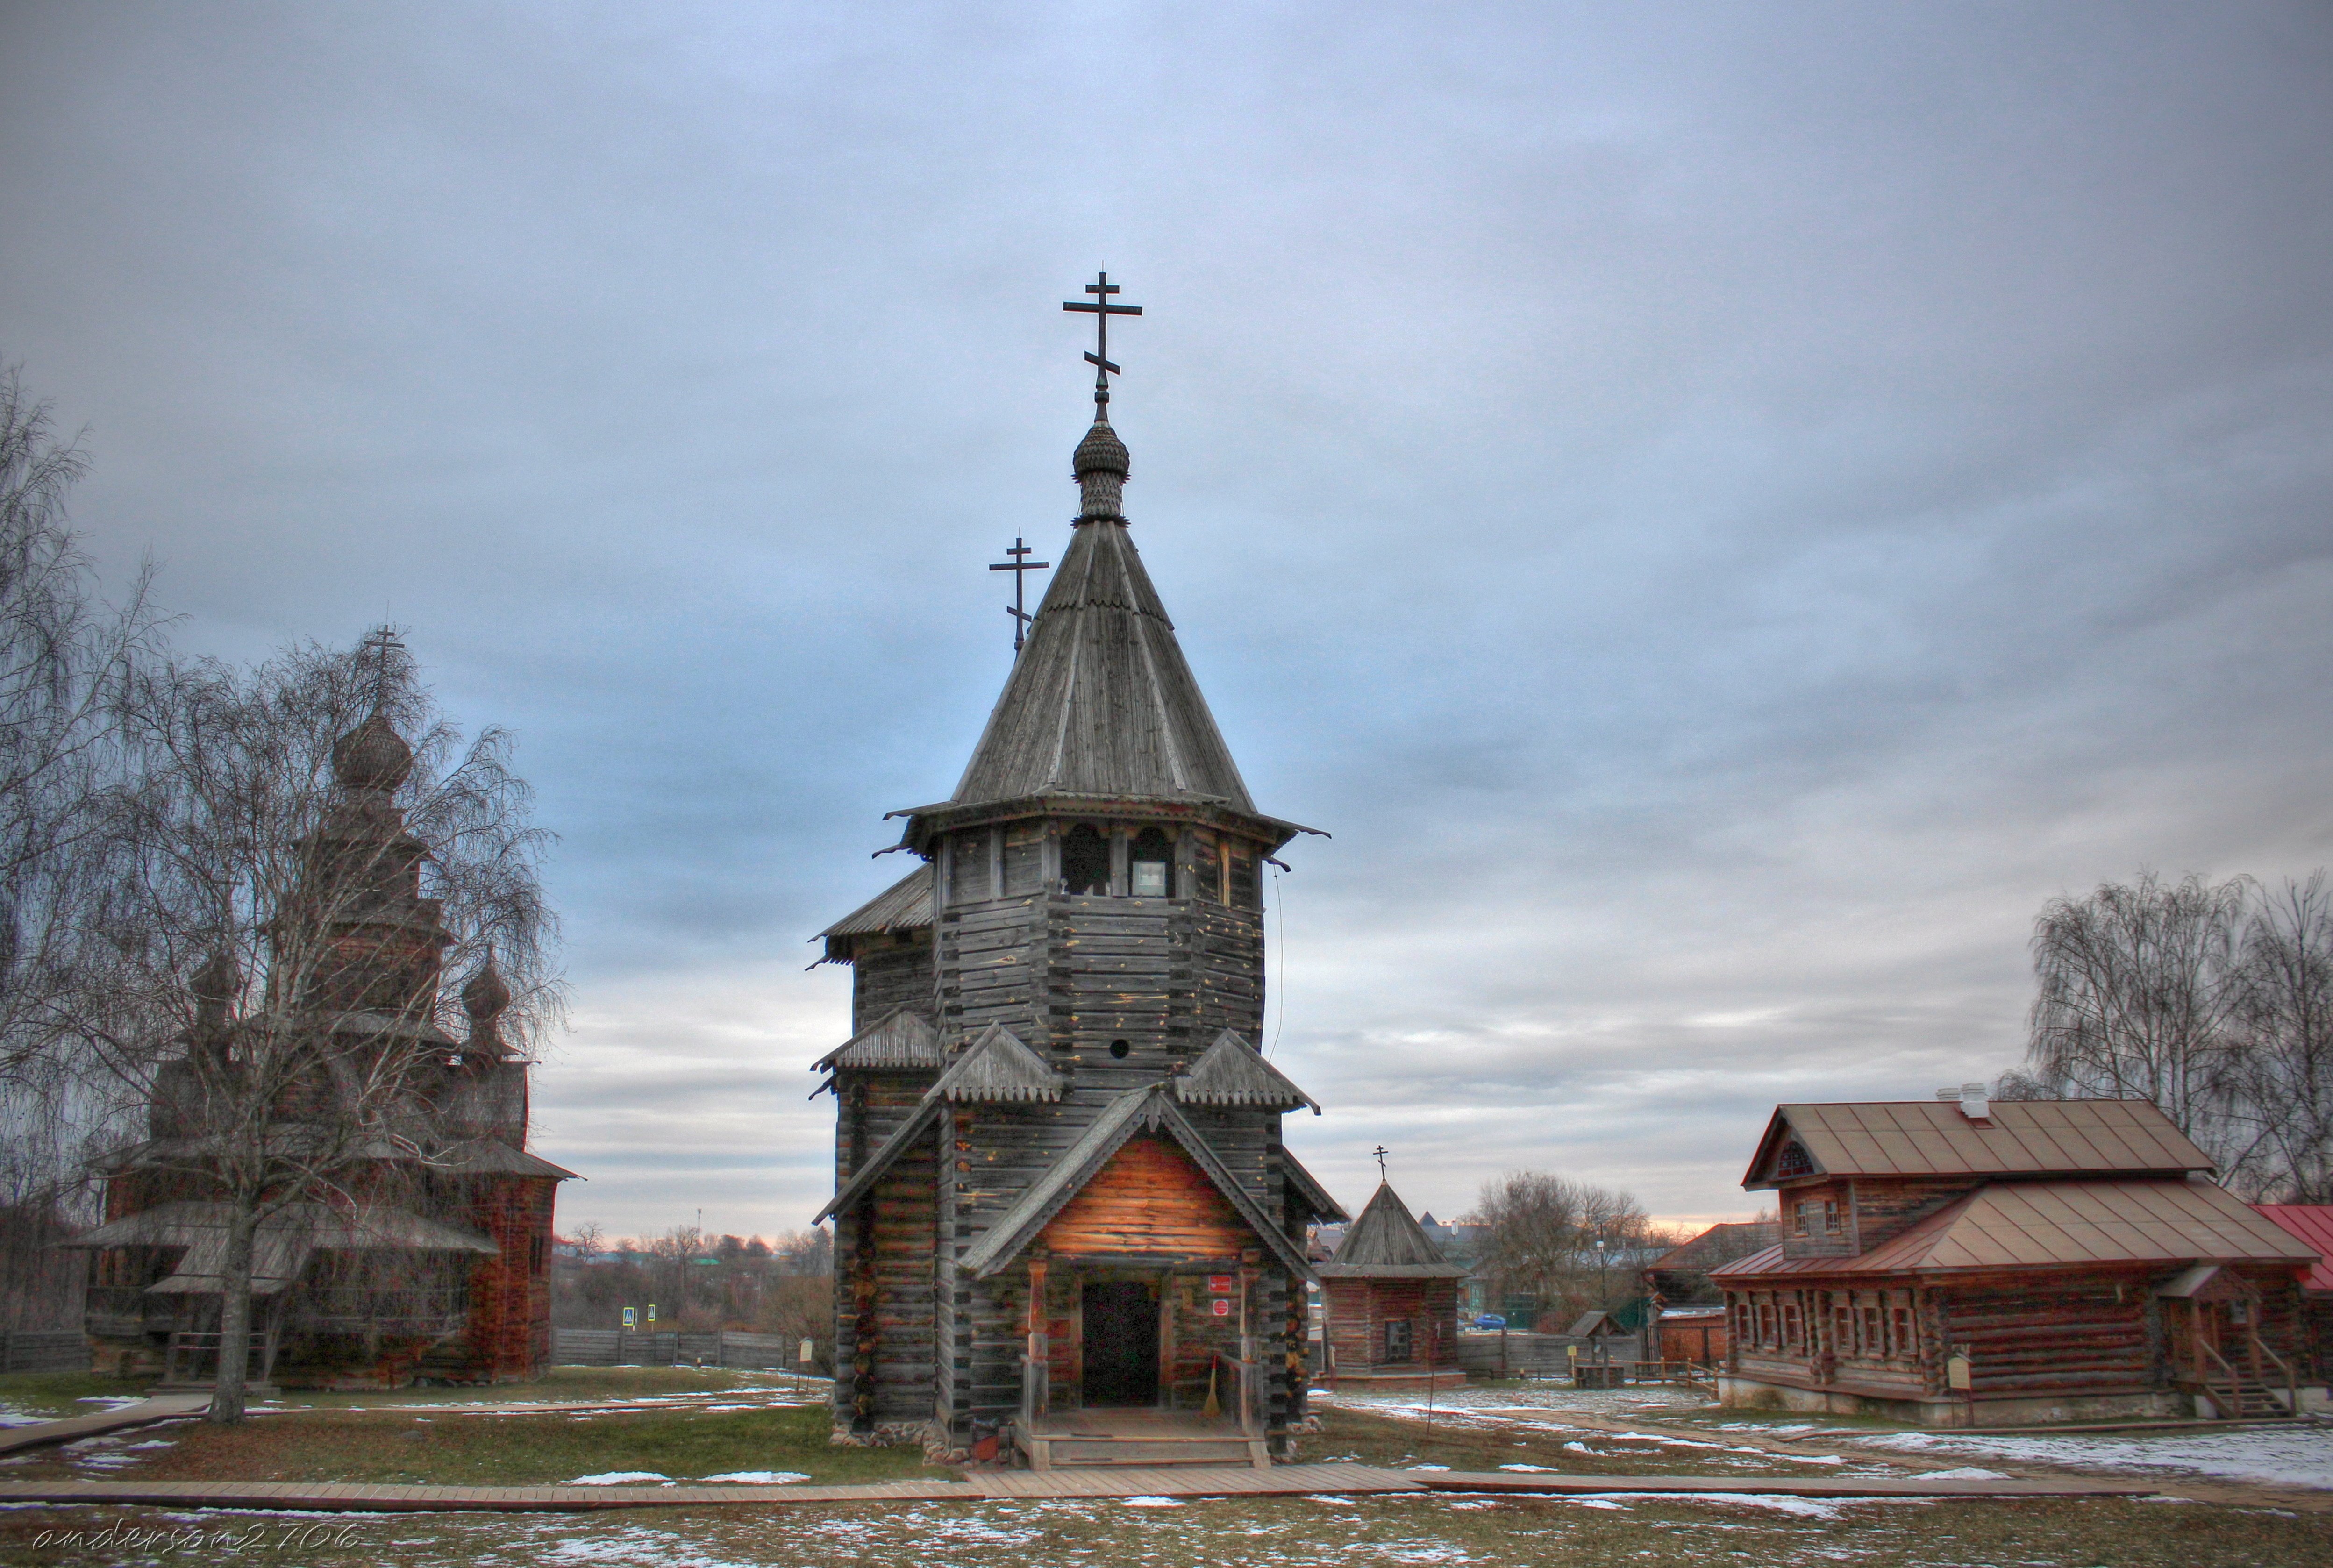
1596 1502
1535 1469
1966 1473
761 1477
615 1478
1579 1447
1152 1501
2279 1456
1426 1467
1338 1502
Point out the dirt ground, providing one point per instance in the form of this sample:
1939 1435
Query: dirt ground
782 1430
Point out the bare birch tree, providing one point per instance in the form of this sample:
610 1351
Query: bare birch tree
2280 1087
288 873
2134 998
64 655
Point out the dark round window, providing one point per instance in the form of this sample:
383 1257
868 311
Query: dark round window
1118 1048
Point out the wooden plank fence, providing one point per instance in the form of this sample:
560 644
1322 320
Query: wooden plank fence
1510 1354
626 1348
43 1350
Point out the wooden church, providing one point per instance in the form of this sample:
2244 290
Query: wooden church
1064 1219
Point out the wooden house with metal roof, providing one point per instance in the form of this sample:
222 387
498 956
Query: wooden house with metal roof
1389 1303
1963 1262
1064 1214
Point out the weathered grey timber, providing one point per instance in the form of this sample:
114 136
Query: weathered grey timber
1073 1193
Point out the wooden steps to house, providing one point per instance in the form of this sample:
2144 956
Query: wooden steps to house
2247 1400
1138 1439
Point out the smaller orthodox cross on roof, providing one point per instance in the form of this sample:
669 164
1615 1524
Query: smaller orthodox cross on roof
1019 566
1380 1152
1101 309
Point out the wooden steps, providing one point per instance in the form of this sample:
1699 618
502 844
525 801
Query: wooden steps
1138 1439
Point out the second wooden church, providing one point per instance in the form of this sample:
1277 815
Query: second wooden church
1060 1182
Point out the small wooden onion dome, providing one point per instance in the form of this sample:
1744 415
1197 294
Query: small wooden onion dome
372 757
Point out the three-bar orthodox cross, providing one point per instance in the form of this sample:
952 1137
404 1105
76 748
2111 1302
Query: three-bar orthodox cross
1101 309
1019 565
1381 1151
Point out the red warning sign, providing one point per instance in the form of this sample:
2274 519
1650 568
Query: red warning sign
1219 1284
1223 1309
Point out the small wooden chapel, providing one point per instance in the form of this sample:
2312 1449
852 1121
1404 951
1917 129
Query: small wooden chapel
1064 1217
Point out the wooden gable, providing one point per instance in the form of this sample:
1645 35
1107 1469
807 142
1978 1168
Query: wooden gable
1151 1198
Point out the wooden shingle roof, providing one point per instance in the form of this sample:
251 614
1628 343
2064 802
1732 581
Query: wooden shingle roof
1386 1242
904 906
2043 1224
2017 1138
1101 702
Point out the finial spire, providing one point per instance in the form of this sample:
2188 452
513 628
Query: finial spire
1380 1152
1101 309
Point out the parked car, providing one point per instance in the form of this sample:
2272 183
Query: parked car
1490 1321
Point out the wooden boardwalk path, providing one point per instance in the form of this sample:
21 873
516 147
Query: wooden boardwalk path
144 1413
1181 1481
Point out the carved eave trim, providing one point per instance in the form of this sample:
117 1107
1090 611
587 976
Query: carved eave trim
1231 1072
998 1067
902 1040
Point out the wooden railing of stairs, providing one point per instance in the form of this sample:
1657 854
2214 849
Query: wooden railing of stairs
2244 1390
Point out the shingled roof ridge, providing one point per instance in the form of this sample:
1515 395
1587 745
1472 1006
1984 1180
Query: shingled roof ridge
1231 1072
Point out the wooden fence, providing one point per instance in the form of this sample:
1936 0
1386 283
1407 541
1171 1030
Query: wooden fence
1509 1354
625 1348
42 1350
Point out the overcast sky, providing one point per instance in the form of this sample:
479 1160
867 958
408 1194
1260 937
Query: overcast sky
1722 511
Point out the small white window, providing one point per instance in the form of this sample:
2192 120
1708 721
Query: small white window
1149 879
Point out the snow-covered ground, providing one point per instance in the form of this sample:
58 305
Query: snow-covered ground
1647 1399
2297 1456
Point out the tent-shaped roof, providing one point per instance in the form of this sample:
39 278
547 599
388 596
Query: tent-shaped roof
1386 1242
1936 1138
1102 701
2046 1224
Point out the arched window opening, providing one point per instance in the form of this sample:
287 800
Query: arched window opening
1151 856
1085 861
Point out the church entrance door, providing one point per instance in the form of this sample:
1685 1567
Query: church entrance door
1121 1343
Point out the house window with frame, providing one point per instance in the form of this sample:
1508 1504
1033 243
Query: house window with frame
1793 1329
1902 1343
1397 1341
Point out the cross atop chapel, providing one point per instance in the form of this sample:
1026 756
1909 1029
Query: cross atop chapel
1101 309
